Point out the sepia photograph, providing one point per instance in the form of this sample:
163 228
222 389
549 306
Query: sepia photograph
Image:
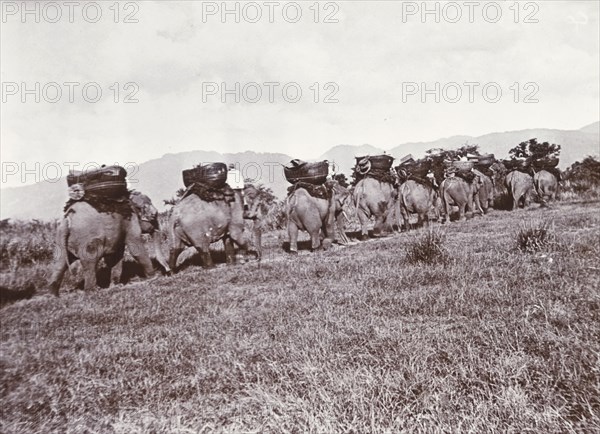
311 216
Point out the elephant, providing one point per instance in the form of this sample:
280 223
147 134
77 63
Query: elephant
519 186
198 223
456 191
546 185
483 192
315 215
148 217
255 209
374 198
416 198
90 235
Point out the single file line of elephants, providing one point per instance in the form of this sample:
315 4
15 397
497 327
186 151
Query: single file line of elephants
89 235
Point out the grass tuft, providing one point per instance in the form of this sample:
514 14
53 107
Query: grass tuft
428 248
535 235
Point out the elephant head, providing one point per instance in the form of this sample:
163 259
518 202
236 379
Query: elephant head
148 217
256 207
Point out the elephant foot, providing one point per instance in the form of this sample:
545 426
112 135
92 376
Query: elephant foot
327 244
294 252
364 237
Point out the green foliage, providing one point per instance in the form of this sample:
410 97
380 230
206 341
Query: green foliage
174 200
26 243
535 235
584 175
534 150
427 248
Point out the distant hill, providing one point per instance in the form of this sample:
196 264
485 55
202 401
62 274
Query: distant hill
160 178
591 128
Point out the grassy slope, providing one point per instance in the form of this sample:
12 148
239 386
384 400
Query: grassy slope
349 340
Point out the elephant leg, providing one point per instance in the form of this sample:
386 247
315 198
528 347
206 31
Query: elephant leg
257 237
477 205
388 222
422 219
363 218
133 241
461 211
315 240
89 267
116 273
57 275
114 263
174 253
405 219
236 233
207 261
229 250
379 227
138 251
445 209
293 234
160 257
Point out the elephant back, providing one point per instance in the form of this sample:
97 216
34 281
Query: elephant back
213 175
106 181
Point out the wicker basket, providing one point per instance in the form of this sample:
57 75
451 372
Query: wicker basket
107 181
378 162
546 163
486 160
212 175
311 173
407 160
516 164
463 166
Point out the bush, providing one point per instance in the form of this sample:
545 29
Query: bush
428 248
535 235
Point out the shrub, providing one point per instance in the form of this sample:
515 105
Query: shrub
535 235
428 248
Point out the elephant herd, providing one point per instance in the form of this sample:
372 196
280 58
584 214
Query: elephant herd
91 236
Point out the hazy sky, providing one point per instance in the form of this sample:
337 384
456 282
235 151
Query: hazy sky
174 54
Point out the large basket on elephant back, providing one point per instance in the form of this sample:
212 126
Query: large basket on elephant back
546 163
378 162
311 173
107 181
485 160
463 166
213 175
417 169
516 164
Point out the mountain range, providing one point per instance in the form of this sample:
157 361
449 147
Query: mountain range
160 178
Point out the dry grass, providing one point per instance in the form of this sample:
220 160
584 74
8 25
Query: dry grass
350 340
428 248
